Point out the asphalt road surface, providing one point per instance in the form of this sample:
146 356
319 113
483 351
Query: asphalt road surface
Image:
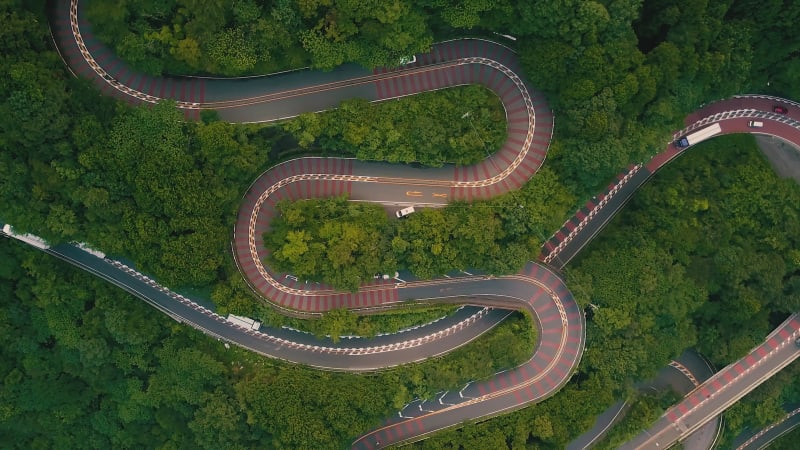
763 438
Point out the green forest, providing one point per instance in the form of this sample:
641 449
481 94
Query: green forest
409 130
620 74
661 285
705 255
86 365
345 243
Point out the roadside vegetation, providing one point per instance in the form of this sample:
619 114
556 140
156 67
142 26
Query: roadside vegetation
643 410
786 442
247 37
343 322
704 256
461 125
84 364
345 243
342 243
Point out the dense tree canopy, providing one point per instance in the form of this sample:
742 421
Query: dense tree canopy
345 243
410 129
622 73
333 240
707 254
685 264
235 38
83 364
152 186
776 45
498 235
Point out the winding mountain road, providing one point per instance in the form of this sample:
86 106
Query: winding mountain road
536 289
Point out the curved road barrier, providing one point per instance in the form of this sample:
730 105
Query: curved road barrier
536 289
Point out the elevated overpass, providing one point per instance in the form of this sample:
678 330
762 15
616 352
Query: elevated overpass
723 389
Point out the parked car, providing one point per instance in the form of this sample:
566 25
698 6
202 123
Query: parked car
780 109
404 212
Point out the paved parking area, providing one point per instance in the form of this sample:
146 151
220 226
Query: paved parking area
783 156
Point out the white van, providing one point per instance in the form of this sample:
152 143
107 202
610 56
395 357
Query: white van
755 124
404 212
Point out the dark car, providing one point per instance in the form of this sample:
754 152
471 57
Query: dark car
797 341
780 109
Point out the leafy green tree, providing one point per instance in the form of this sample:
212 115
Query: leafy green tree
460 125
187 51
231 52
217 424
330 240
136 49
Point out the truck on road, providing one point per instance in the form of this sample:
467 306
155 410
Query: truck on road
244 322
698 136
